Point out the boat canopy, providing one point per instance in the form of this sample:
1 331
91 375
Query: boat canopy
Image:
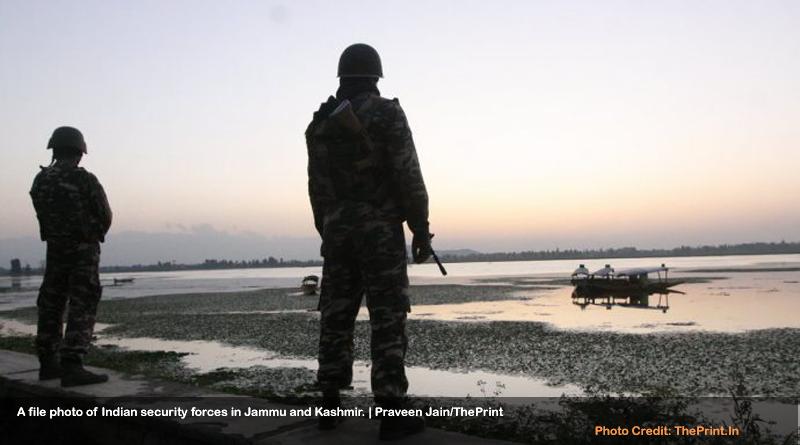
640 271
604 272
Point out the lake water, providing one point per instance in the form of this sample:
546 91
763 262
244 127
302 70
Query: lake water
736 302
733 302
162 283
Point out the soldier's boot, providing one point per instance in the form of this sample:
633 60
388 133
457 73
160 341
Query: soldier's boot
331 399
74 374
393 428
49 367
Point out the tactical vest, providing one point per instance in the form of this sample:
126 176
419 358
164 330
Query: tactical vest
341 155
59 197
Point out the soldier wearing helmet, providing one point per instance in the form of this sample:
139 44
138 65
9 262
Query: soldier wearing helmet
74 217
364 180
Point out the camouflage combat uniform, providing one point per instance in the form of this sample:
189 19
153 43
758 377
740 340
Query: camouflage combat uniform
74 216
359 213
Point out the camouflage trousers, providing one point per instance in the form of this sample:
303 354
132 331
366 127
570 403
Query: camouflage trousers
72 284
367 258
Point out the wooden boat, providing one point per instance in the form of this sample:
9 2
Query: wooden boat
623 282
310 285
634 286
118 281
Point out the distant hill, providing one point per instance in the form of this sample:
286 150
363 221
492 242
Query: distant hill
457 253
452 253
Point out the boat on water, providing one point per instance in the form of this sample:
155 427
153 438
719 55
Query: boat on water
633 286
118 281
626 282
310 285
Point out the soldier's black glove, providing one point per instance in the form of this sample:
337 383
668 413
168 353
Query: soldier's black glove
421 247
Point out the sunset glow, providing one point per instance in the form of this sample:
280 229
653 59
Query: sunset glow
538 125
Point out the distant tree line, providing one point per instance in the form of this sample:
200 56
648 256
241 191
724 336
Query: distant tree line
540 255
163 266
629 252
213 264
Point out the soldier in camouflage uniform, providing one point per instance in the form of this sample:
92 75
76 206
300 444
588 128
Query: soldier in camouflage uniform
74 217
362 187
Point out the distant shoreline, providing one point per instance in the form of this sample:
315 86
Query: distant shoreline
469 256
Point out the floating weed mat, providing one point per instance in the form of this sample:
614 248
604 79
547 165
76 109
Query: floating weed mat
26 315
695 363
290 334
264 300
692 363
148 363
528 282
454 294
165 364
18 343
290 385
572 421
12 290
284 300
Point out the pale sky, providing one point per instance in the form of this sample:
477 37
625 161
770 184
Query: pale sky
538 124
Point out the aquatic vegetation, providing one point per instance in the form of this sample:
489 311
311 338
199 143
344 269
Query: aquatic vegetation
149 363
18 343
697 363
692 363
286 384
537 421
15 290
155 363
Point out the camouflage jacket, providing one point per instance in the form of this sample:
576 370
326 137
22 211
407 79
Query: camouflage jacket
392 189
70 204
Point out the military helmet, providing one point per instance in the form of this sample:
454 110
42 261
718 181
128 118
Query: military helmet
67 137
360 60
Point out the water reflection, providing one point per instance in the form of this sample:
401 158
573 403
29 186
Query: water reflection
637 301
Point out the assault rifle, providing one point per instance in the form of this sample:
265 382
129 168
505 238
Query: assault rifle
347 119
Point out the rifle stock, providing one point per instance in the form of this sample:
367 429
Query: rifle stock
347 119
344 116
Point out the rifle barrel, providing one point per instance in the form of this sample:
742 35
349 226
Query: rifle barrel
438 263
